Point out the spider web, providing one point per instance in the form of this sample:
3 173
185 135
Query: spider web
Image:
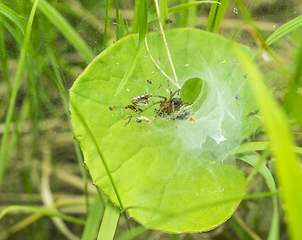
156 163
220 109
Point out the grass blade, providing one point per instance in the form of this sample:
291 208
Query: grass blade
216 15
108 7
117 20
288 173
4 72
94 219
122 26
135 20
43 211
20 225
254 161
192 16
15 34
109 223
259 39
62 25
163 9
181 8
239 230
13 97
295 84
186 6
166 45
142 5
285 29
183 22
135 232
13 16
143 21
258 146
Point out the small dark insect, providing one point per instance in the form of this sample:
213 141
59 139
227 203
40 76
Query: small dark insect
149 81
253 113
238 97
111 108
168 21
245 76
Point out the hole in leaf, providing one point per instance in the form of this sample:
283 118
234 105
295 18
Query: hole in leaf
191 89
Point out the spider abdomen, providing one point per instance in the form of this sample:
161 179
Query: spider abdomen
171 106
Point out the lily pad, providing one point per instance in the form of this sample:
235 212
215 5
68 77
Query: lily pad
171 174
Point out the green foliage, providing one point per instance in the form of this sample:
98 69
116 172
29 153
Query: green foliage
216 15
94 219
110 221
282 144
3 154
42 211
186 6
62 25
285 29
158 161
163 167
260 166
13 16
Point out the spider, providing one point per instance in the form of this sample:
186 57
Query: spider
167 106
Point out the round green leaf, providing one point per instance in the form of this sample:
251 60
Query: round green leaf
171 174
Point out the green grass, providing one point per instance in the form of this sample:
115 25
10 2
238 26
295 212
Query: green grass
45 45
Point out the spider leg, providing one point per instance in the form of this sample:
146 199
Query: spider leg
126 123
161 97
185 102
169 88
159 111
171 93
172 106
151 105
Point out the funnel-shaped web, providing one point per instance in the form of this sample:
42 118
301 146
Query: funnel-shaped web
214 108
172 175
